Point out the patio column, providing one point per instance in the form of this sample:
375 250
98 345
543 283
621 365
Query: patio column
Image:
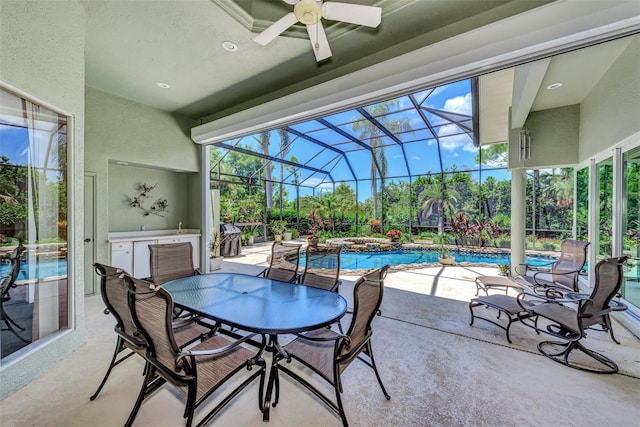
518 229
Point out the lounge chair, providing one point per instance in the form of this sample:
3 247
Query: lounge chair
563 274
572 318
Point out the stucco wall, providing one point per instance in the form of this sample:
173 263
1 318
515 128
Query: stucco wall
42 54
123 183
122 130
554 138
611 111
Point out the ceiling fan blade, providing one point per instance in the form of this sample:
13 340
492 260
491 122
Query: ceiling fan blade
275 29
370 16
319 42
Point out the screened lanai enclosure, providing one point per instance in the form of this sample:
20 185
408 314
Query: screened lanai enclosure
431 165
411 163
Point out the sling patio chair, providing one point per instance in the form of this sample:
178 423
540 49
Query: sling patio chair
283 263
5 286
329 354
322 268
562 275
115 296
570 324
196 372
171 261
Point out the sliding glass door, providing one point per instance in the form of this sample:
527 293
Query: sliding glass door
631 224
604 203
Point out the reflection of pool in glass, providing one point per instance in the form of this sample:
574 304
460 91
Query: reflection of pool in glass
39 271
368 260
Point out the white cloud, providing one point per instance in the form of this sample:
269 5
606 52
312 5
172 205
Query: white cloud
459 104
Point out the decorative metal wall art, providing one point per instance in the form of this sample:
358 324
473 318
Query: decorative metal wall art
157 208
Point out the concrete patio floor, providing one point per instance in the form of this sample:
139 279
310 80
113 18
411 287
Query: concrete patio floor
438 370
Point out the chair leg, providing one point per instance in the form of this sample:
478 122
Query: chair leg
375 369
567 347
191 404
143 392
10 325
338 389
118 349
607 322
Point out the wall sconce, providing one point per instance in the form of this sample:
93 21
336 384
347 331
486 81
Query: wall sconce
524 147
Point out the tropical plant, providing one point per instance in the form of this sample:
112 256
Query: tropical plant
277 226
442 240
503 269
437 197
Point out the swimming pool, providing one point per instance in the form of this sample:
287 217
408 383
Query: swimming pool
38 271
369 260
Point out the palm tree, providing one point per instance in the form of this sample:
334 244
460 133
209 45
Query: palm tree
285 147
264 144
368 130
437 197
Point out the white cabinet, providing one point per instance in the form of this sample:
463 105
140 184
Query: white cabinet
142 258
122 256
131 253
195 244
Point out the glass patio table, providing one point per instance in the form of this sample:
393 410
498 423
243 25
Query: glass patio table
259 305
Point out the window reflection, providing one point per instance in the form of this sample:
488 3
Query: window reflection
631 225
33 222
605 208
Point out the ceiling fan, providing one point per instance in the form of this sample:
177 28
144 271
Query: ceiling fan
310 12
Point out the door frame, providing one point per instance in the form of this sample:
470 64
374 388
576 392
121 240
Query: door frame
88 264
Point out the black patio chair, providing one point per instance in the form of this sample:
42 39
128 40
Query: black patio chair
115 296
197 372
329 354
7 283
570 324
560 276
283 263
322 269
171 261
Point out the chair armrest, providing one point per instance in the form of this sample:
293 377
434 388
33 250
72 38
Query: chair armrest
334 337
216 351
548 283
527 300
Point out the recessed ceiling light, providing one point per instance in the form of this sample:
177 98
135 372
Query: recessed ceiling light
230 46
179 170
163 85
122 163
553 86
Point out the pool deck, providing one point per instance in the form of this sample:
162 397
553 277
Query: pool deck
453 282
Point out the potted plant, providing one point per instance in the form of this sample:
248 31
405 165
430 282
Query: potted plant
288 235
215 259
277 227
503 269
394 235
313 239
445 257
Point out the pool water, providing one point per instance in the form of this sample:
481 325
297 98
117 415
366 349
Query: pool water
369 260
39 271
